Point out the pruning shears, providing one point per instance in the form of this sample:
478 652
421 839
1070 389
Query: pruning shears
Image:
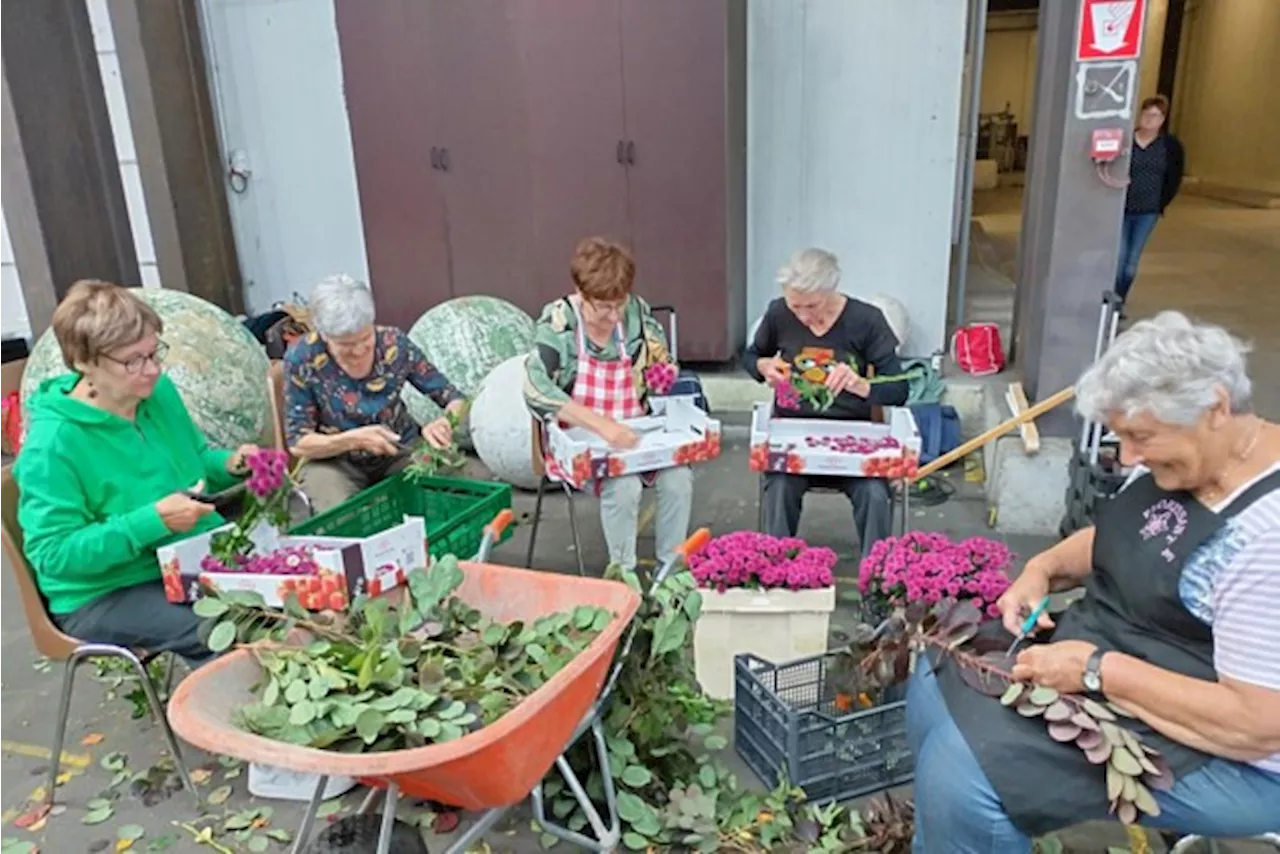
1028 625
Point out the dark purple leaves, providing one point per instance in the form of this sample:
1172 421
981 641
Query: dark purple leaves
985 674
1058 712
1063 731
1088 739
1162 781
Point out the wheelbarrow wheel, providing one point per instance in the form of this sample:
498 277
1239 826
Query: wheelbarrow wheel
358 834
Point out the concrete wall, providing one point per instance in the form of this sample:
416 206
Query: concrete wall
853 111
14 311
1227 104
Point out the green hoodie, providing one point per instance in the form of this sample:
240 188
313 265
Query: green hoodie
88 484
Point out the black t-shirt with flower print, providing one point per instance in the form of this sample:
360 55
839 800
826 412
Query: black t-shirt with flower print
860 337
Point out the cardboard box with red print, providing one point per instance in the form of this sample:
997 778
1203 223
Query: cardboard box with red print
678 433
843 448
344 567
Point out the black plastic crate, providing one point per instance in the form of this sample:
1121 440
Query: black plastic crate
787 726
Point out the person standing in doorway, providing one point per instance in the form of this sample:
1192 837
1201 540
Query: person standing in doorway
1155 174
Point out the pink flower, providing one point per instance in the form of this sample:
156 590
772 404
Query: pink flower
660 377
266 471
785 396
753 560
928 567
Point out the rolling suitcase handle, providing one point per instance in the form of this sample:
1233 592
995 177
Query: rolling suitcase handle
671 328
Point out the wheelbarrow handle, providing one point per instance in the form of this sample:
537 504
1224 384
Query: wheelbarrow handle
697 540
492 533
500 523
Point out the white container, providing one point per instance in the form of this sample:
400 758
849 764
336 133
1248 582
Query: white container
782 444
281 784
777 625
678 433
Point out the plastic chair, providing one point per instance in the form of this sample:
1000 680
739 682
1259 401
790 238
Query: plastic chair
548 480
55 645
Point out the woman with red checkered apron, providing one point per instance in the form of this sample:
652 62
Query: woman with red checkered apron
587 370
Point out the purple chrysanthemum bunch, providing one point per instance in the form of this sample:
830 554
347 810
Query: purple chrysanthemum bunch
753 560
929 567
661 377
266 471
786 396
293 560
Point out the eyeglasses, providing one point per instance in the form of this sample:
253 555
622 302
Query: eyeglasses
135 364
608 309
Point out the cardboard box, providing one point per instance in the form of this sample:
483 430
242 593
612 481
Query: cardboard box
349 566
805 445
678 433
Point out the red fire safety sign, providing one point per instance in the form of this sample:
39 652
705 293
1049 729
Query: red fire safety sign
1110 29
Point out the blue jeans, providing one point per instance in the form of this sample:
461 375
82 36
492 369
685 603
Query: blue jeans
1134 233
958 812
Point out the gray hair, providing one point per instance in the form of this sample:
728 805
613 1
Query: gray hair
1169 367
810 271
341 305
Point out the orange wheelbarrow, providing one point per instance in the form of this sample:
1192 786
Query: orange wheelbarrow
492 769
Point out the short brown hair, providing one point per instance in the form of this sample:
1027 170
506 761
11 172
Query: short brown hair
602 269
96 317
1158 101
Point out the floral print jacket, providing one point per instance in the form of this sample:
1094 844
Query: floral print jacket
320 397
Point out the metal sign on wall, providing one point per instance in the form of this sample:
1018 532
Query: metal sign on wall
1110 29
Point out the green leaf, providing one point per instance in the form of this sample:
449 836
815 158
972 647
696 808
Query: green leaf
130 832
635 841
304 713
493 634
333 806
271 693
219 795
222 636
715 742
429 728
1048 845
97 816
707 777
1124 762
113 762
1098 711
369 725
631 808
636 776
1042 696
1012 694
279 834
295 692
259 844
601 621
208 608
668 633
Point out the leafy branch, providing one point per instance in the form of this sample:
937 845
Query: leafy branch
426 460
1133 769
389 676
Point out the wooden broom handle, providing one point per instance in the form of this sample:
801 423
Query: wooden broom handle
996 432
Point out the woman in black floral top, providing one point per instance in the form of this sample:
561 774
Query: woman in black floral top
343 409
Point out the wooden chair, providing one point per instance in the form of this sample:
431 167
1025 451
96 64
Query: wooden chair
540 468
54 644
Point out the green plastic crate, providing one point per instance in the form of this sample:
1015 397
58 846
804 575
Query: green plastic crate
456 512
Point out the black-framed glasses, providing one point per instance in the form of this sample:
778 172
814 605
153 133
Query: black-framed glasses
135 364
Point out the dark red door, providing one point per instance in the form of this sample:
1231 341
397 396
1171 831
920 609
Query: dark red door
479 107
383 53
573 87
673 54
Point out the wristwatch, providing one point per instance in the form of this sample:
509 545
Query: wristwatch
1093 670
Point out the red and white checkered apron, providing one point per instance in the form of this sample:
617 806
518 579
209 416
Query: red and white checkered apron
607 388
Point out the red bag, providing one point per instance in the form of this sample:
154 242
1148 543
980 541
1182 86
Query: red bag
976 349
12 417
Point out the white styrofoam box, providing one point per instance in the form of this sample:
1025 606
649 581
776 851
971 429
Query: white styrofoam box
782 445
281 784
777 625
348 566
681 434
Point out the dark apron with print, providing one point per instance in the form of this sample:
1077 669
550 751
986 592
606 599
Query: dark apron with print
1142 540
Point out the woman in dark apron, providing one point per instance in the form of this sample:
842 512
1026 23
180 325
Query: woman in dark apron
1181 575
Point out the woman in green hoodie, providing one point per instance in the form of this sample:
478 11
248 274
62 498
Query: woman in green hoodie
109 455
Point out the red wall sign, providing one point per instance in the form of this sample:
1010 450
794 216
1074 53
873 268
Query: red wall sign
1110 29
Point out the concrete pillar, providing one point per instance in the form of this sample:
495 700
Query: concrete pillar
63 200
1071 219
162 67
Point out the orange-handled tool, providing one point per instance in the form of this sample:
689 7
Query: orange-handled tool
695 543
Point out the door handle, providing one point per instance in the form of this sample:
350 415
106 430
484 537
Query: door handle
622 151
444 159
631 151
435 157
